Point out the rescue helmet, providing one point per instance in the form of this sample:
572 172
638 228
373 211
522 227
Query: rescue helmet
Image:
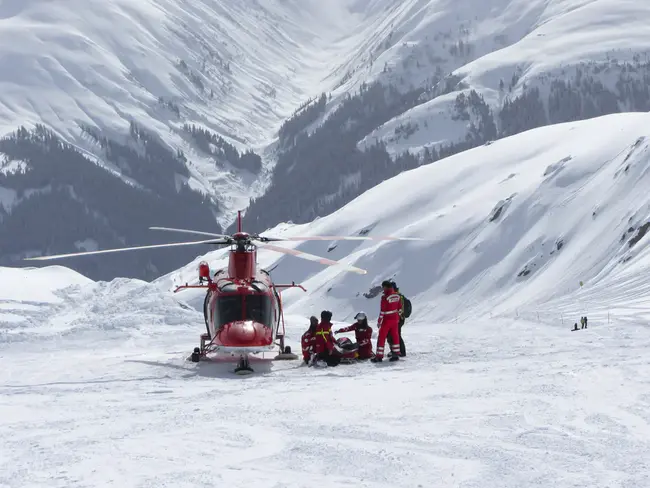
360 316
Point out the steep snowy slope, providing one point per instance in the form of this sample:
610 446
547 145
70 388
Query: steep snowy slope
465 72
510 225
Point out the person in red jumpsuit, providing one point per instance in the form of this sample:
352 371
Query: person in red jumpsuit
308 339
363 335
324 343
388 322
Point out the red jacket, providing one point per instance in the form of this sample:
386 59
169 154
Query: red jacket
363 336
391 303
324 339
308 339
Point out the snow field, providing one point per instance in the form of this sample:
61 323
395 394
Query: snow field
484 403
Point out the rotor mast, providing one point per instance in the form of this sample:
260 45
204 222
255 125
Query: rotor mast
243 258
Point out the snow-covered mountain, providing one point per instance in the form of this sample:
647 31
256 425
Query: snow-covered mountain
235 70
186 110
534 222
160 103
512 225
483 398
503 50
461 74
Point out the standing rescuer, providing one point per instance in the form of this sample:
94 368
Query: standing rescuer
388 323
404 313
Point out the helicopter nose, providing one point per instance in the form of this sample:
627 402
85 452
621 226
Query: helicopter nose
244 333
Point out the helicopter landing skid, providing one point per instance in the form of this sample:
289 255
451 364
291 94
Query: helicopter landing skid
285 353
243 366
207 347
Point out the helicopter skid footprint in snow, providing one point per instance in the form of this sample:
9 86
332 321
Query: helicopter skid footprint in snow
220 367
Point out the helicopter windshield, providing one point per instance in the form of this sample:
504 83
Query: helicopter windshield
231 308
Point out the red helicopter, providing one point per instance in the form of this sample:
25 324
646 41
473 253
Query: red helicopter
242 307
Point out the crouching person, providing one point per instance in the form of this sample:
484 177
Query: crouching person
324 342
308 339
363 335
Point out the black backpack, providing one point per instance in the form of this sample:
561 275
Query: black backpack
407 307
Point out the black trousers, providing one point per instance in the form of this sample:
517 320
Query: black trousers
330 359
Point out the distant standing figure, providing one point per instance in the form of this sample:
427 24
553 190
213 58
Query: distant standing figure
585 321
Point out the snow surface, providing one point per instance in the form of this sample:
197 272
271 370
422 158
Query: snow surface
110 401
95 389
491 404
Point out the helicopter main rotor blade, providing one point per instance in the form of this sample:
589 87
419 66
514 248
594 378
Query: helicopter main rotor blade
187 231
347 238
312 257
106 251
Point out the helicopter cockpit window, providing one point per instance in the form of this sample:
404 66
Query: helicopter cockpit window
258 308
228 309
